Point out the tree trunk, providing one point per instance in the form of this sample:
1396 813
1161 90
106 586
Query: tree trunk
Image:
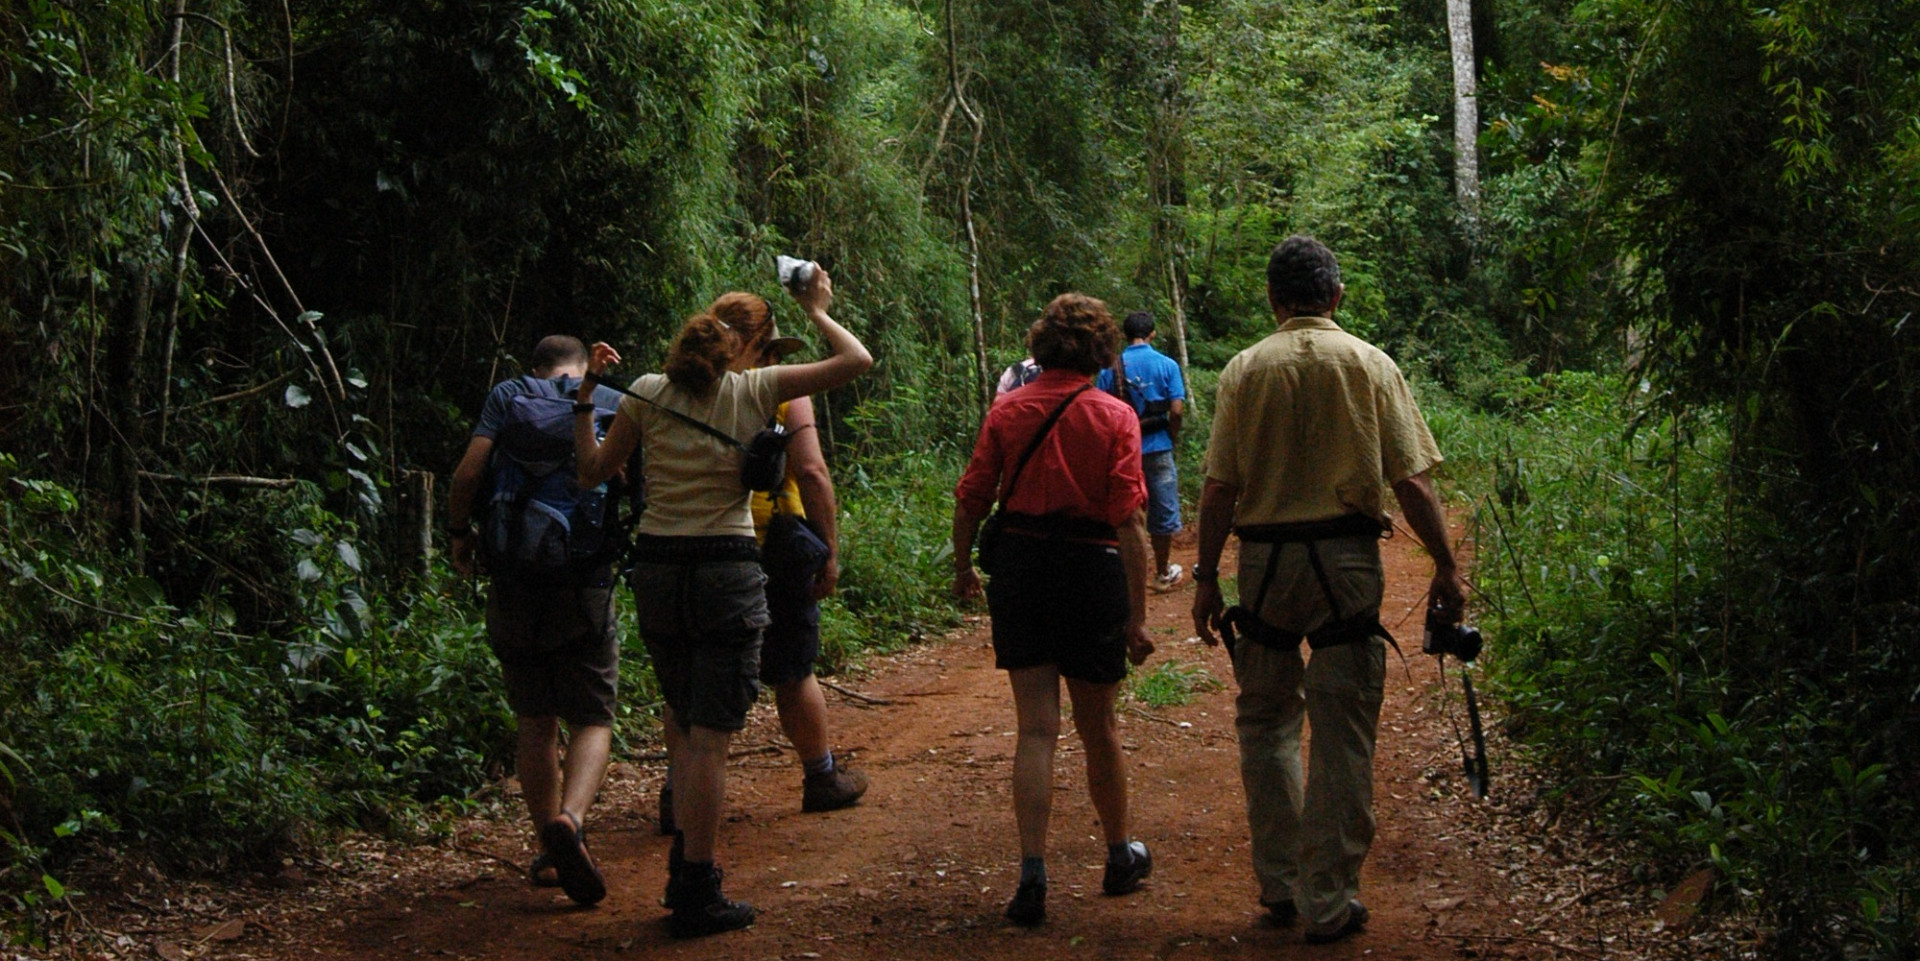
1466 113
1167 171
957 93
125 426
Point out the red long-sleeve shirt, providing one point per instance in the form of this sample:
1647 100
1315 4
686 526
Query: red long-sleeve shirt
1088 466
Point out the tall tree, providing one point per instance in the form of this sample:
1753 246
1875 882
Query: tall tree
1166 141
1466 112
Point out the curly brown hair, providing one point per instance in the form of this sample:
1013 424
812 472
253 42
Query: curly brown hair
701 353
748 315
1074 333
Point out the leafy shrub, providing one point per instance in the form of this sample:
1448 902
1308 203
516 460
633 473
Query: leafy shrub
1645 639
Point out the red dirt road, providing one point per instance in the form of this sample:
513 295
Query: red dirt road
924 867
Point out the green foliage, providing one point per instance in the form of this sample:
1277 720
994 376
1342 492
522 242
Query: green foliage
1321 118
1170 683
170 730
1642 638
896 551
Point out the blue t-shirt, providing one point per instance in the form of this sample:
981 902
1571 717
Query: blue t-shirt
494 412
1151 376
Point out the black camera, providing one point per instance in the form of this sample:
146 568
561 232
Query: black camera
1444 638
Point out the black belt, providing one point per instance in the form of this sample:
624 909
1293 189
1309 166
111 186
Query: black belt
706 549
1306 532
1064 526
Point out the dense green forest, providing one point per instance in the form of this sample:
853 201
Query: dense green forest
262 260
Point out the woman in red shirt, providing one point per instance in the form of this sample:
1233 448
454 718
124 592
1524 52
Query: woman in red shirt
1068 587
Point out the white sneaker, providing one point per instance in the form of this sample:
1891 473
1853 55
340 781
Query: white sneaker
1169 580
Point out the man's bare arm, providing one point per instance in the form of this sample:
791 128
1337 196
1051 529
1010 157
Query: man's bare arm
1217 501
466 485
1428 518
807 463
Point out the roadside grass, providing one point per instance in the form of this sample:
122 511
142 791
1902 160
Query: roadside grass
1170 683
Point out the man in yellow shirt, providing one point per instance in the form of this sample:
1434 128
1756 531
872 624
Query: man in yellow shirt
1311 426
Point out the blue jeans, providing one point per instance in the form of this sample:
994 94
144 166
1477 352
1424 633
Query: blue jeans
1163 492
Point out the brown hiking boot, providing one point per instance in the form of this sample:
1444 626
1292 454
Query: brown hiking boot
832 791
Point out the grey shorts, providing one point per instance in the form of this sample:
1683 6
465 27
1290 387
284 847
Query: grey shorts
557 650
702 622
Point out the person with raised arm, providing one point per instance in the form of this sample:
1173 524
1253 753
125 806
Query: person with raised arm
700 599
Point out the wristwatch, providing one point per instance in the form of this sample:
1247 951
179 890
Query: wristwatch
1206 575
582 407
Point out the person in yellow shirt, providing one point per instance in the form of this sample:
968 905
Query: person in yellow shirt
1311 426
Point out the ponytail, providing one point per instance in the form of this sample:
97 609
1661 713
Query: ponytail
701 353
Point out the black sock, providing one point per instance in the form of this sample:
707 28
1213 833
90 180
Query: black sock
1033 870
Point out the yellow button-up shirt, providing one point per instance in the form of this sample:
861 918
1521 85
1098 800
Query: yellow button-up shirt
1312 423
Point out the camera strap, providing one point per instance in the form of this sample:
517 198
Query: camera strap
1474 762
689 420
1034 445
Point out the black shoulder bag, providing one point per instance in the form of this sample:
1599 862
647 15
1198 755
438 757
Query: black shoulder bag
987 544
763 463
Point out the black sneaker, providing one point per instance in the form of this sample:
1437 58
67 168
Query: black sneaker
1029 904
831 791
1356 920
668 827
1124 876
699 908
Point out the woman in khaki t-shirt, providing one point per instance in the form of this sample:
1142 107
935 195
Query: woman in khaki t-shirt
699 595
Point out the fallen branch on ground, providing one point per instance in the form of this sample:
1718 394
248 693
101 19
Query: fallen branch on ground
1143 713
856 695
515 865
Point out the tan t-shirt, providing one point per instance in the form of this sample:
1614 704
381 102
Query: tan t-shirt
1312 423
693 479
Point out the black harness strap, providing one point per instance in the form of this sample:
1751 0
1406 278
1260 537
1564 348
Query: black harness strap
1341 629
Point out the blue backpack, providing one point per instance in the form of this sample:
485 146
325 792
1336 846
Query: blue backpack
538 525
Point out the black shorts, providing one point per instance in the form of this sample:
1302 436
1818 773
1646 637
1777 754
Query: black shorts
557 650
1059 602
793 638
702 623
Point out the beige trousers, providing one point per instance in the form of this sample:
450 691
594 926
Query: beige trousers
1311 833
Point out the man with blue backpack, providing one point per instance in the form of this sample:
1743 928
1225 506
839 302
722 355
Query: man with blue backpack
1151 382
548 549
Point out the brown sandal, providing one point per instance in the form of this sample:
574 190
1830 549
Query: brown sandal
564 841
